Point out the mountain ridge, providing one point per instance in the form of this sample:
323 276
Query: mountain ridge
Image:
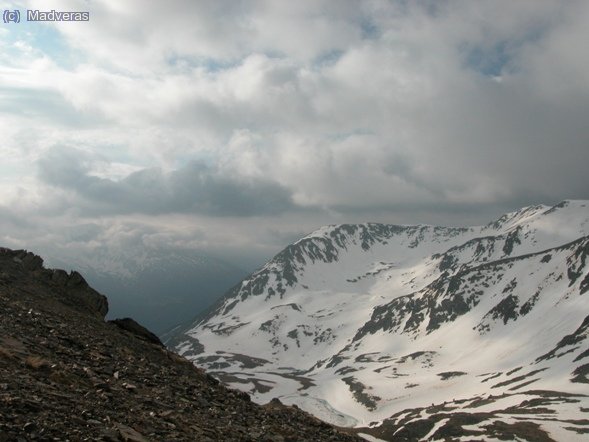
337 321
288 249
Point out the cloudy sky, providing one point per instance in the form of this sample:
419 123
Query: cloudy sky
235 126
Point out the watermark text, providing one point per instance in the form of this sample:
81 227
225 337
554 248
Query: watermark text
14 16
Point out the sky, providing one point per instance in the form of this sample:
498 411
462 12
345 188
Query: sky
235 127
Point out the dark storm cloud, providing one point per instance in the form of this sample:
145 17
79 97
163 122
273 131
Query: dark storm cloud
194 188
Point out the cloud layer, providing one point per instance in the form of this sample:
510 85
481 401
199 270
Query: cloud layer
280 116
194 188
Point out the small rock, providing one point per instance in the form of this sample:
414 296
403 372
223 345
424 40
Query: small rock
273 438
128 434
29 427
203 402
102 386
110 435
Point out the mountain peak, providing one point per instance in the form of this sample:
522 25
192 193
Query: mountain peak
363 323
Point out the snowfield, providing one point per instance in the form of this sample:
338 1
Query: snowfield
417 332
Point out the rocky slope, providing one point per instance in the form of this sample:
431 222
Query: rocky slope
417 332
66 374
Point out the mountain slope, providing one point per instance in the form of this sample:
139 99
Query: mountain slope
66 374
395 327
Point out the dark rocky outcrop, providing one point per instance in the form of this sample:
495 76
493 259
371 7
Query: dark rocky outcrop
66 374
137 329
71 289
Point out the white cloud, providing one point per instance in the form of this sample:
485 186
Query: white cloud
388 108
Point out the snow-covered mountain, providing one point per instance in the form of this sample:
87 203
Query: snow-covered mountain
419 332
158 287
